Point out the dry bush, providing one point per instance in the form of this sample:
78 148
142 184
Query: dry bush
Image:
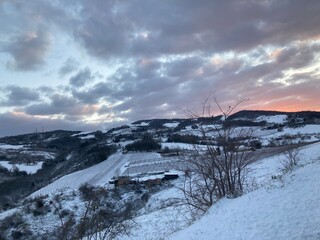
220 170
291 159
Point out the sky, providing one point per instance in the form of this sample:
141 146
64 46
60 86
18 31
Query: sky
94 64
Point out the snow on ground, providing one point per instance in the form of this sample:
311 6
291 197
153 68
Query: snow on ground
312 130
8 213
307 129
284 209
273 119
87 136
290 212
144 163
30 169
84 135
9 146
125 143
159 217
81 133
264 132
171 125
45 155
175 145
99 174
262 171
142 124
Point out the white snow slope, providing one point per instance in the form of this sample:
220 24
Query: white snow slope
288 208
273 119
99 174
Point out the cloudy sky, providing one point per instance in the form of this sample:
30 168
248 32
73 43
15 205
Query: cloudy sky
92 64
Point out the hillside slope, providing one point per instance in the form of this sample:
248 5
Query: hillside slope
288 208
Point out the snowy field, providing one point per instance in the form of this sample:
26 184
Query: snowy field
273 119
171 125
9 146
159 166
307 129
117 164
30 169
143 163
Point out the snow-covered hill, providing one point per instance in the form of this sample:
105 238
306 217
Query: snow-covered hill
286 208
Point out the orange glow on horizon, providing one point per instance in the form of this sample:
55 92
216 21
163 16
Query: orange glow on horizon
287 106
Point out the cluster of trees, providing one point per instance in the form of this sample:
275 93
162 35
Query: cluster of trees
188 138
147 143
95 153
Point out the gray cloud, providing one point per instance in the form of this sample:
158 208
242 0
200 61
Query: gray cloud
297 57
69 66
59 104
29 50
94 94
28 15
19 96
121 29
81 78
149 28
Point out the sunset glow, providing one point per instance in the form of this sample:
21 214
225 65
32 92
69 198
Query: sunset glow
95 64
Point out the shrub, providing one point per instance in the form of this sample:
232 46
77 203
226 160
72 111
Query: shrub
86 191
291 158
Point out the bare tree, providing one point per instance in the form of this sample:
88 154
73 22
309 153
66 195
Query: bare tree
291 158
220 169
